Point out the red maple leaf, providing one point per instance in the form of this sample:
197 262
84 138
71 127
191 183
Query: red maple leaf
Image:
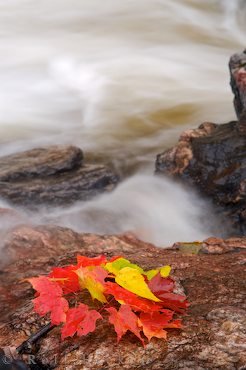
124 320
159 285
115 258
175 302
80 320
84 261
142 316
162 289
49 299
153 324
127 297
66 278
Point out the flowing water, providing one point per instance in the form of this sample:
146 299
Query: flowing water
120 79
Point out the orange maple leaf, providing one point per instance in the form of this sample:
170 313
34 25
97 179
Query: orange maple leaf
153 324
124 320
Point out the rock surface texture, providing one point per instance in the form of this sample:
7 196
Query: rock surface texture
213 157
214 333
238 82
54 175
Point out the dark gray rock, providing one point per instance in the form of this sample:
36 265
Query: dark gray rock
237 67
53 176
212 157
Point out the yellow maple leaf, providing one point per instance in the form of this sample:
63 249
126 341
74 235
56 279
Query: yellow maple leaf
132 280
164 272
89 279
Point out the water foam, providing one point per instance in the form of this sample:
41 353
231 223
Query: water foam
154 208
121 80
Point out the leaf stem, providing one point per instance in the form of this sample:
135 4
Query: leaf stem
26 346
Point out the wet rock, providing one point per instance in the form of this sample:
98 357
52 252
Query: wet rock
220 246
54 176
214 330
212 157
237 67
10 217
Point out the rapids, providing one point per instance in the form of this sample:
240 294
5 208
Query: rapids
121 80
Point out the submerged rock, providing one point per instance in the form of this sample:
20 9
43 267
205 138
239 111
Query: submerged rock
54 176
213 336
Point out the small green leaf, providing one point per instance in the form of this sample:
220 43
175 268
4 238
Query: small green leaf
151 273
119 264
190 248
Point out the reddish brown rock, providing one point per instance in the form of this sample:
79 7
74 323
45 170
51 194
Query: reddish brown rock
214 330
220 246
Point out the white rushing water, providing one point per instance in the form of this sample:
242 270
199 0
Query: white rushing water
120 79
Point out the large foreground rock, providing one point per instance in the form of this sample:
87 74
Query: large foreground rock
214 333
54 176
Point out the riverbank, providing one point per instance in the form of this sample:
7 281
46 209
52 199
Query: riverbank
212 277
210 272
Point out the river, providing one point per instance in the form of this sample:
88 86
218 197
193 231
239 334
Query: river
122 80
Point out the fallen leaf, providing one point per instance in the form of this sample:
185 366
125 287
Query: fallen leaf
84 261
153 324
190 248
175 302
66 278
123 296
49 299
120 263
159 285
124 320
132 280
92 279
164 272
80 320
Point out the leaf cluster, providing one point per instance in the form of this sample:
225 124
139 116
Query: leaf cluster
130 298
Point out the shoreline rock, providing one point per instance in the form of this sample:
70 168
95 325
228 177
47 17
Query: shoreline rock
213 156
213 336
53 176
237 66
